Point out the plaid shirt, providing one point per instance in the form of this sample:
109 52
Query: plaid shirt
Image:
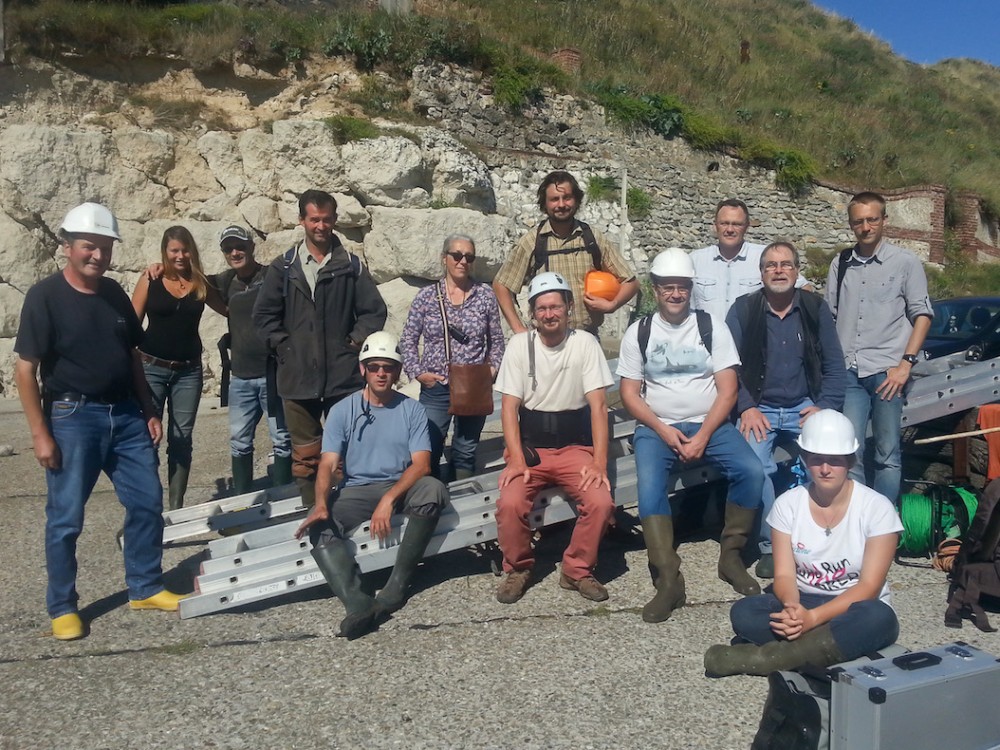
570 258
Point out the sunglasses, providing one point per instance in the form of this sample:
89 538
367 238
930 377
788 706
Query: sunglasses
374 367
457 257
230 249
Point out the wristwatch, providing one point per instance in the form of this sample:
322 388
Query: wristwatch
911 358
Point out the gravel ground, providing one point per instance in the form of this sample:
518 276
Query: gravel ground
453 669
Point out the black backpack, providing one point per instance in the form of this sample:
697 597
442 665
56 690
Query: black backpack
540 257
646 324
976 570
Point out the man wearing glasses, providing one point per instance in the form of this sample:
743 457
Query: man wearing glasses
249 389
678 380
878 294
731 268
792 366
315 307
381 437
564 245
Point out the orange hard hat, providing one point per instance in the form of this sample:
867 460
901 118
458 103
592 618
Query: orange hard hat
601 284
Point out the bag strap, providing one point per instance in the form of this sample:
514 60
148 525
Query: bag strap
842 260
540 256
444 322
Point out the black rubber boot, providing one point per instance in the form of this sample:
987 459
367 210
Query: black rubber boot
739 523
177 482
419 530
664 567
281 471
242 473
341 572
815 648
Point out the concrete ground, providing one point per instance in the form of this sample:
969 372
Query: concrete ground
453 669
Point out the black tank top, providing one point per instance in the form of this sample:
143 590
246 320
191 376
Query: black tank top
172 332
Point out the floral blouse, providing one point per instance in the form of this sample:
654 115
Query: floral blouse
478 318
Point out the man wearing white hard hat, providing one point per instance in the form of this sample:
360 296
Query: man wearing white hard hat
678 379
93 412
834 540
555 428
382 438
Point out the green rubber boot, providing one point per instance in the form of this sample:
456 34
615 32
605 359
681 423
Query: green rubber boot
281 471
419 530
177 482
815 648
664 567
464 473
739 523
242 473
341 572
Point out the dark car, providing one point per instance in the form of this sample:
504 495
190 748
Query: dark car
967 324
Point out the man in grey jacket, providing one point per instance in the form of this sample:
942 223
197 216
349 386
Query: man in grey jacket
317 305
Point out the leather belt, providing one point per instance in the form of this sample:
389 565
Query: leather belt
108 398
170 364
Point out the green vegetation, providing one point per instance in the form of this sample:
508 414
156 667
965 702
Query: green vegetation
607 188
346 128
818 98
961 277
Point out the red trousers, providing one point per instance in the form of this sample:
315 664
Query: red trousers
594 507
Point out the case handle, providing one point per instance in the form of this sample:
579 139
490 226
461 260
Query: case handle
917 660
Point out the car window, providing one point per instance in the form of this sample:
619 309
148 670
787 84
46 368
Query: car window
957 319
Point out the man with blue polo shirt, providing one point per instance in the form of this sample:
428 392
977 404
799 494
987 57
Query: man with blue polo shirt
381 436
93 412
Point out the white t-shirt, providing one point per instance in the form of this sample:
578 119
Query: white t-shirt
564 374
829 565
679 372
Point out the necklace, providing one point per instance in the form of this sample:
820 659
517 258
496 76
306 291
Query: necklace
828 522
451 291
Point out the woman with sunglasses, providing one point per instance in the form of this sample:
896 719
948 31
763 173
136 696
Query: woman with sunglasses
171 348
474 336
833 541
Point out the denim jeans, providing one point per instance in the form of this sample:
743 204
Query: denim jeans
865 627
860 403
180 392
726 448
114 439
784 423
436 401
247 404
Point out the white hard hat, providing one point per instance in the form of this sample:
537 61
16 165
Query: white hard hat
547 282
91 218
828 432
673 262
381 345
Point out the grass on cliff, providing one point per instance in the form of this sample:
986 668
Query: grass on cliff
818 98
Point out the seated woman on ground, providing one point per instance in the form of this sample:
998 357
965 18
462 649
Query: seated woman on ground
833 542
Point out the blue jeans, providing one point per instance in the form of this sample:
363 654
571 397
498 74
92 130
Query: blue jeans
114 439
180 392
464 442
247 404
784 423
865 627
860 403
726 448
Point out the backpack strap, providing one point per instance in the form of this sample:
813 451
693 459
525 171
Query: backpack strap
289 258
540 255
842 260
704 329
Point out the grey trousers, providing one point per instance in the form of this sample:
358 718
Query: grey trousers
353 506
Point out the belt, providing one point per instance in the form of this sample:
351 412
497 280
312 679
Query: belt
170 364
107 398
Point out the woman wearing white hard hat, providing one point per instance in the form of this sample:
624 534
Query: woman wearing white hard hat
834 540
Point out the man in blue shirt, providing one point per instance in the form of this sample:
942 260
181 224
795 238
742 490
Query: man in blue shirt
381 437
792 366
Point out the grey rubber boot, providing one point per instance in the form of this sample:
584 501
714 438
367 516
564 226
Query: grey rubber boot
281 471
177 482
419 530
242 473
341 572
815 648
664 567
739 524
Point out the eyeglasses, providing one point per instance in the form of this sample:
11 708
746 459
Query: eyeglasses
549 309
873 220
374 367
772 265
457 257
671 289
